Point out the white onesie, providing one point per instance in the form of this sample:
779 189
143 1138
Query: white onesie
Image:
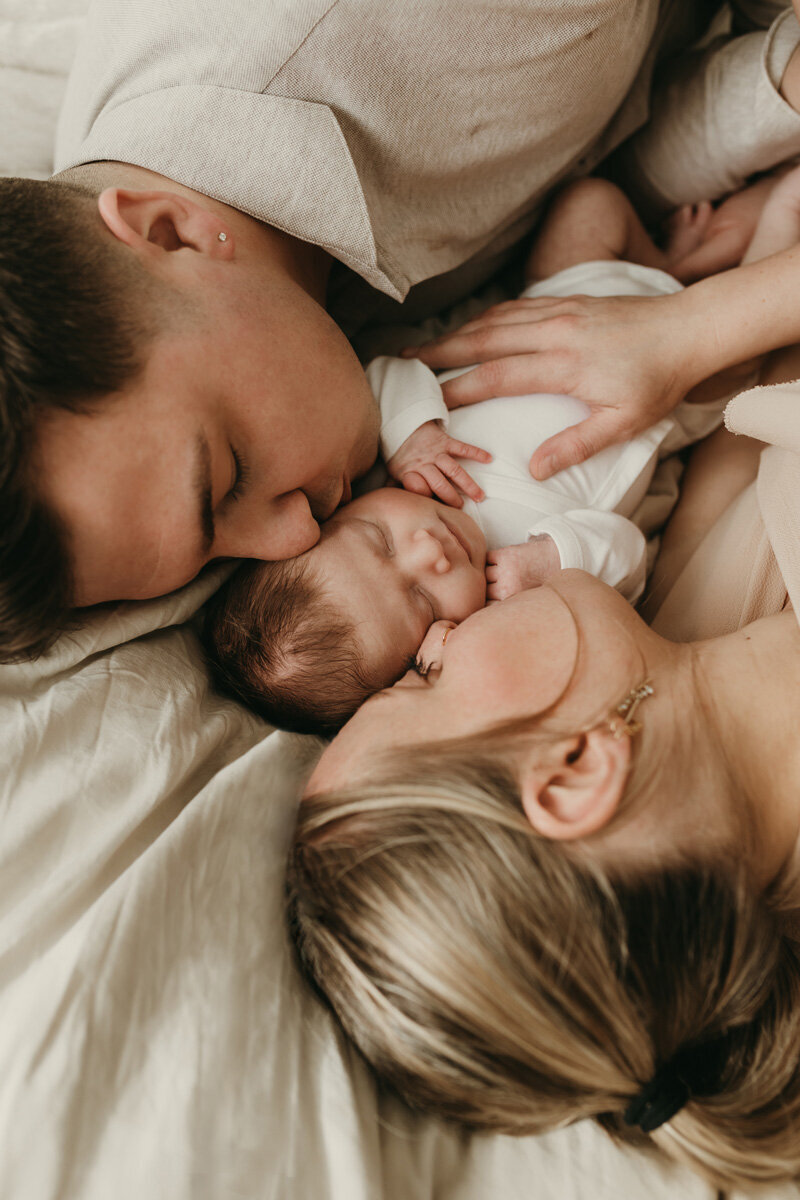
593 511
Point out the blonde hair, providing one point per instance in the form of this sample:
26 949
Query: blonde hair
512 984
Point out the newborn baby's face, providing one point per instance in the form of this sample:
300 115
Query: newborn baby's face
393 563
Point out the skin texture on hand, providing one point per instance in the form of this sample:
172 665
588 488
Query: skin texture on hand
630 358
426 464
513 569
624 356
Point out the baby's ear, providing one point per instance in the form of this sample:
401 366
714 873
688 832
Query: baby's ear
431 651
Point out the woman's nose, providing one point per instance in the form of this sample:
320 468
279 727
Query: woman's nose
427 553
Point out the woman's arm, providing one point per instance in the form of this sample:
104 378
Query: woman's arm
631 359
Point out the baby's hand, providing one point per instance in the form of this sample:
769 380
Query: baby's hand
426 464
515 568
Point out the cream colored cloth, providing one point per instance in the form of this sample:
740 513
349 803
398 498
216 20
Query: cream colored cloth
410 140
156 1039
599 512
749 561
717 117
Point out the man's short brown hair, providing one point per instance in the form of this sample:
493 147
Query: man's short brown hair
275 642
73 327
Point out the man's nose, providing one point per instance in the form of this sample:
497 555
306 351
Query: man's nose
427 553
281 528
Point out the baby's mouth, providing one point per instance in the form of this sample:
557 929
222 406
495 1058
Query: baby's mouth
457 537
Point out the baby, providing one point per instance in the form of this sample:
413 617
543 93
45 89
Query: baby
306 640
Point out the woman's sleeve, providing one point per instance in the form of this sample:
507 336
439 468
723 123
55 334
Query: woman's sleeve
717 117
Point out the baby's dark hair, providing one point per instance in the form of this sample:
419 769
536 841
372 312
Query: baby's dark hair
275 642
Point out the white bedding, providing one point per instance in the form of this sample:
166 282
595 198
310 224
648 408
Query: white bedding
155 1040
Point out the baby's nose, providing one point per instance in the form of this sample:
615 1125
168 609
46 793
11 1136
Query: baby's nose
428 552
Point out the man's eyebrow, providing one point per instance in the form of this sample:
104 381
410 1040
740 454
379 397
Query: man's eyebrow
202 489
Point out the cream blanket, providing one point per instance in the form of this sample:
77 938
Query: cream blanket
749 561
155 1039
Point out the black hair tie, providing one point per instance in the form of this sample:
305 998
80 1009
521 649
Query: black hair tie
695 1071
658 1101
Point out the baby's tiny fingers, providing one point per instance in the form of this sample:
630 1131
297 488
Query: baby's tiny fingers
465 450
412 481
459 476
441 486
497 591
492 574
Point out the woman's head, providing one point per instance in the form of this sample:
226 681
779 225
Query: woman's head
521 914
551 665
503 980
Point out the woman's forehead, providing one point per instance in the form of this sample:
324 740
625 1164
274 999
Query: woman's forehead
509 660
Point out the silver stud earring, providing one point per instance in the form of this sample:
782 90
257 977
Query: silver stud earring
222 236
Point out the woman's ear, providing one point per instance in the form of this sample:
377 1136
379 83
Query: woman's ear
150 222
575 790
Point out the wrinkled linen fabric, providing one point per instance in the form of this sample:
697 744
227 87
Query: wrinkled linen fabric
416 142
155 1039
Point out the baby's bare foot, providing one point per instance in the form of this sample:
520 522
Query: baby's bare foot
685 229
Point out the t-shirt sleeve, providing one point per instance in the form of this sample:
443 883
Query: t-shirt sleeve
718 116
607 545
408 394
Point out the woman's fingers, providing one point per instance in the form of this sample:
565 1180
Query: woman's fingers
605 427
511 376
538 324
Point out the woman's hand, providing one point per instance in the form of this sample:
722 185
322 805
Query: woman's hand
426 463
624 356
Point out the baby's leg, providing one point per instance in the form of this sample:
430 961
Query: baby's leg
590 219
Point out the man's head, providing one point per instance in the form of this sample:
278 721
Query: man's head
305 642
173 396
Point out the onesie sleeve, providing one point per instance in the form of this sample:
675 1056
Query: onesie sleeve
408 395
605 544
717 117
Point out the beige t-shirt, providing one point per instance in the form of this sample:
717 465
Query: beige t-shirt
411 140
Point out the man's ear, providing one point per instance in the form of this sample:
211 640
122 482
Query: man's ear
575 790
151 222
